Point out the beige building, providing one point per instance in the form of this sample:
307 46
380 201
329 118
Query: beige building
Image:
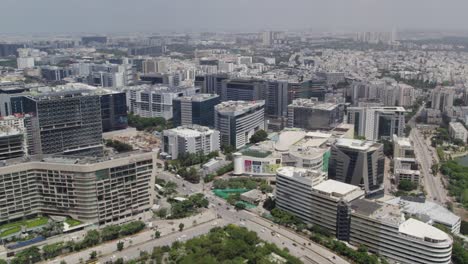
92 190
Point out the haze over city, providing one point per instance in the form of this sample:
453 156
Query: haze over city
104 16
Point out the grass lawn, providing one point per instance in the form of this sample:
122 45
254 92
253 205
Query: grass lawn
31 223
10 225
37 222
10 231
72 222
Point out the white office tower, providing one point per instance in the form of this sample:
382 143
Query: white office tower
458 131
294 190
375 123
190 139
442 98
155 100
383 229
25 63
237 121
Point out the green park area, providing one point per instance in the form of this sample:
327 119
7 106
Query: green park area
72 222
14 227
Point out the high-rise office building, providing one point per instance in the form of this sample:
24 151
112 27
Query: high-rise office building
358 162
243 90
237 121
277 99
197 109
65 122
311 114
113 111
92 190
375 123
190 139
442 98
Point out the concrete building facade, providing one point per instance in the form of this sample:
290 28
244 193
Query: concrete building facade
237 121
93 190
190 139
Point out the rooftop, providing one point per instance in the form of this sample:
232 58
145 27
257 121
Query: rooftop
61 159
313 104
197 97
238 107
426 209
402 141
387 213
189 130
418 229
339 190
288 138
354 143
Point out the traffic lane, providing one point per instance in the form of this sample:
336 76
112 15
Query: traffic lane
298 245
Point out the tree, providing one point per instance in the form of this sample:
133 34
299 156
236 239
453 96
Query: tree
93 255
92 238
240 206
132 228
406 185
52 250
29 255
181 226
266 188
120 245
259 136
157 234
162 212
118 145
110 232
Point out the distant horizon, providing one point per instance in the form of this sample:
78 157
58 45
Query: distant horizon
148 16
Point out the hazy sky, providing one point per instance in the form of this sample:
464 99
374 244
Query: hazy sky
69 16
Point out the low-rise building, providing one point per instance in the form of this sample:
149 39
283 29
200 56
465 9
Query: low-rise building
402 147
189 139
253 196
406 169
458 131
